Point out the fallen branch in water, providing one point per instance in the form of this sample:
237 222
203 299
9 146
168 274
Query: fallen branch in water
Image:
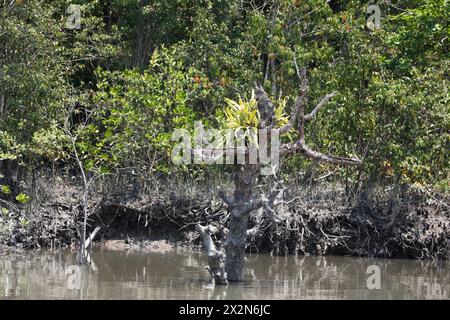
91 237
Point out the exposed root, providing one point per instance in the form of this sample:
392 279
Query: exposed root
388 223
215 257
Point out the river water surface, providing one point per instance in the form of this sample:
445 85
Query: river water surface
180 275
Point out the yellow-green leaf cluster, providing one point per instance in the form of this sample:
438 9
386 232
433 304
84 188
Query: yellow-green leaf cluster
242 113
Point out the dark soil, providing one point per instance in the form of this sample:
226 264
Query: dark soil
390 223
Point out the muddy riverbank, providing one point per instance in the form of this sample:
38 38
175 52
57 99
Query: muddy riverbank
320 220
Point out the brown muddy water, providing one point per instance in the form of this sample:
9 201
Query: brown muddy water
180 275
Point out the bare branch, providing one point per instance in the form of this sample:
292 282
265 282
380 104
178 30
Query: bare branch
301 75
303 149
274 196
271 214
301 100
299 114
251 233
264 211
298 102
320 105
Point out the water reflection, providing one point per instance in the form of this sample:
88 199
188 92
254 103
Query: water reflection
180 275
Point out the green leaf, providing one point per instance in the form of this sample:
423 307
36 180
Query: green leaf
5 189
23 198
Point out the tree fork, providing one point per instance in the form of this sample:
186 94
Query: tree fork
228 266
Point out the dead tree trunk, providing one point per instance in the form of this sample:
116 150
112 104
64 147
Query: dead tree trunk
242 205
228 265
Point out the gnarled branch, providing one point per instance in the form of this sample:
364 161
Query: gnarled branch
251 233
301 100
303 149
266 210
299 114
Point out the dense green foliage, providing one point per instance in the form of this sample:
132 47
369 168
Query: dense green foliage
136 70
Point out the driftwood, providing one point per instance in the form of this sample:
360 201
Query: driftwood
91 237
86 256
